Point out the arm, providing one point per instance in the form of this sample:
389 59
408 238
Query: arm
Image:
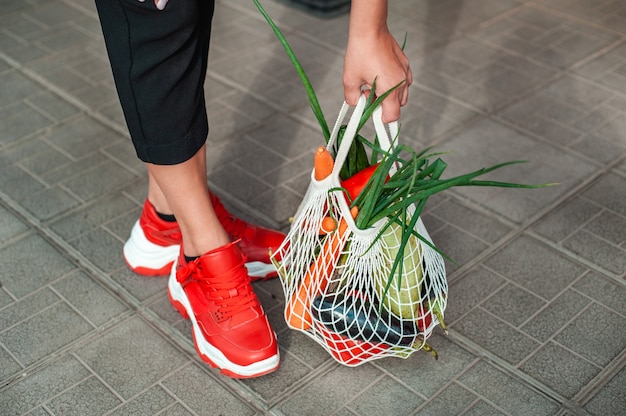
373 53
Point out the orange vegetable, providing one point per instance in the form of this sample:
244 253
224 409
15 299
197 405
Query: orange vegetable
323 163
298 308
328 225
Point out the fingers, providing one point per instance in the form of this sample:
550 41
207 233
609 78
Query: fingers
352 93
160 4
391 109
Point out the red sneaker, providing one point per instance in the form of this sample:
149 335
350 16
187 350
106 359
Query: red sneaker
255 241
154 243
229 327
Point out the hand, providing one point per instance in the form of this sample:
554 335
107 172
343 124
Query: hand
160 4
381 59
374 54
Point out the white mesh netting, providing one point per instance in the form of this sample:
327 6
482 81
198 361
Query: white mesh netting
338 288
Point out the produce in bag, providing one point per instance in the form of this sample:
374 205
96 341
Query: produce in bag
360 273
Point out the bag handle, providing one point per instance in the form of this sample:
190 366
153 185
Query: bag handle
351 131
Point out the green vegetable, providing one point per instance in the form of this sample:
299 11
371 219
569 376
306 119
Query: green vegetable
401 293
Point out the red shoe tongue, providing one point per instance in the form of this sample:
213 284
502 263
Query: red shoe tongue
222 259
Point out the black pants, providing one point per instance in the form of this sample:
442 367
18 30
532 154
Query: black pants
159 61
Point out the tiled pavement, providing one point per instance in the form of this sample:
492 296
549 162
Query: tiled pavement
537 304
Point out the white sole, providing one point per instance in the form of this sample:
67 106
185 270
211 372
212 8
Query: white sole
140 253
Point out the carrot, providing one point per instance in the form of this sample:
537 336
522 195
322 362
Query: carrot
328 225
323 163
297 310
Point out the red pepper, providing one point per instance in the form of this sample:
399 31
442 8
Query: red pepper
355 183
348 351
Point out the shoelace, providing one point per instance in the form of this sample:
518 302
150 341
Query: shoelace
232 291
235 227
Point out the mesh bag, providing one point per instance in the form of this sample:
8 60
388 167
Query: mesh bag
338 286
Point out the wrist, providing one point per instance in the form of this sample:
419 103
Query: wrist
368 19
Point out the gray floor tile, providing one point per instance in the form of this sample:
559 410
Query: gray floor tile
482 408
451 401
10 226
494 335
131 357
93 301
506 392
555 315
596 334
611 400
90 397
609 293
147 403
24 272
45 333
529 264
329 393
42 385
377 399
558 368
203 395
425 375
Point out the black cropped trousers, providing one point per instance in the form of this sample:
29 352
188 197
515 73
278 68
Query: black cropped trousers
159 62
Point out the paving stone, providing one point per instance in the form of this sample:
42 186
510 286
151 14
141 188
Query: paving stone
470 291
176 410
496 336
327 394
45 333
596 334
611 399
10 226
17 183
290 372
599 251
26 307
567 219
89 397
49 203
560 369
482 408
141 287
609 192
555 315
451 401
513 304
529 264
203 395
377 400
101 248
478 224
458 245
81 136
425 375
505 391
131 357
604 291
105 178
9 365
96 215
153 400
88 297
42 385
24 273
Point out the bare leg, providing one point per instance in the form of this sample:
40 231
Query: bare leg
182 189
